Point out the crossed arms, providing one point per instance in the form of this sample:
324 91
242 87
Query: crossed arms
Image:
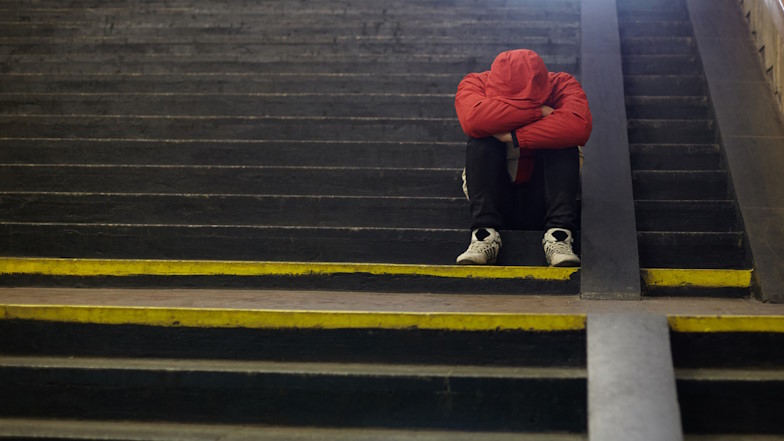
563 120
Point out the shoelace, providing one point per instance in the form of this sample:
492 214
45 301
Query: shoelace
485 247
560 247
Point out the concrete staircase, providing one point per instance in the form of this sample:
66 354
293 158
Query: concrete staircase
148 381
312 144
307 131
687 216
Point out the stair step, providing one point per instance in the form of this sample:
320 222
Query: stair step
398 129
668 107
323 211
748 343
359 395
676 157
691 250
394 10
671 131
196 27
217 63
648 5
298 336
201 40
719 401
664 85
255 243
336 181
673 11
229 104
658 45
248 83
37 429
726 380
272 153
661 65
648 28
697 216
680 184
233 46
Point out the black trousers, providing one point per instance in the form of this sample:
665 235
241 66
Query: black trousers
548 200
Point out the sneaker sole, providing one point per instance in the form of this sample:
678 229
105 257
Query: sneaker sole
566 263
471 262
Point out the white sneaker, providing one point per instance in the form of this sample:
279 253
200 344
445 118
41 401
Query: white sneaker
483 250
557 245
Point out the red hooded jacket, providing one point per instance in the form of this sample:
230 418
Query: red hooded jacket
509 98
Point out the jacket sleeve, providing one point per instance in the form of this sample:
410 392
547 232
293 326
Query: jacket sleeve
569 124
481 116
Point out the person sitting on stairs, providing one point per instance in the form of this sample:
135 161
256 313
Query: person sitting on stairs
522 159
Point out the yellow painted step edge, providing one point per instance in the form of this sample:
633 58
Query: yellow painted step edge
727 323
701 278
303 319
124 268
281 319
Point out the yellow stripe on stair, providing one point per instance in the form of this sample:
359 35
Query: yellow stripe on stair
129 267
728 323
700 278
282 319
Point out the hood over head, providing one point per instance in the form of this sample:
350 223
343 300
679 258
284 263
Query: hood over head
519 78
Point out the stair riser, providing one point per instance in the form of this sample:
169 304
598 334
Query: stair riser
671 131
232 105
636 29
650 6
654 13
292 11
73 64
406 346
292 154
717 407
299 399
661 65
668 108
722 350
664 85
409 129
250 83
353 28
680 185
691 250
658 46
264 181
310 50
439 247
687 216
675 157
335 212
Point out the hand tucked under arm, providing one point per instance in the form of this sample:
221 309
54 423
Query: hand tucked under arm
507 136
568 125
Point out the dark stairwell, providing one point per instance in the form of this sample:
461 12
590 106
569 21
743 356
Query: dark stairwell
687 216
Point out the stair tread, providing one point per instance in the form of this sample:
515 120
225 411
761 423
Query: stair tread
233 209
179 179
25 428
64 151
254 242
290 368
